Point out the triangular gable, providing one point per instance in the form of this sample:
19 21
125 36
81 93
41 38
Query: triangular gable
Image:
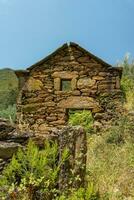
65 46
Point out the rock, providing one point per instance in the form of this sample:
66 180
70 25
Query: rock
34 84
78 103
106 87
73 83
2 164
131 113
97 126
65 75
76 93
57 84
7 149
98 116
44 128
85 83
5 128
20 138
58 122
98 78
117 83
4 120
104 74
83 59
74 139
52 118
86 90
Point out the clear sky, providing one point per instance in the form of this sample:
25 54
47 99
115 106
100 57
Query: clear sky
31 29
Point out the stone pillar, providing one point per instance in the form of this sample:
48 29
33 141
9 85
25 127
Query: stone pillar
73 171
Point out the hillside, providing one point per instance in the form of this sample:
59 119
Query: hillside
8 88
8 80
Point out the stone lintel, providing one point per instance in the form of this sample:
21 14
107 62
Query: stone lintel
79 103
65 75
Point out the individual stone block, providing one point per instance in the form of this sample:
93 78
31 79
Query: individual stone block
52 118
58 122
44 128
7 149
76 93
57 84
34 84
83 59
117 83
85 83
74 83
106 87
79 103
98 78
65 75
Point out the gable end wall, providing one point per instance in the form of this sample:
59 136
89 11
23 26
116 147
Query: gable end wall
95 86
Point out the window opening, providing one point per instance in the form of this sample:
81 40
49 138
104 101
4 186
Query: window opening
66 85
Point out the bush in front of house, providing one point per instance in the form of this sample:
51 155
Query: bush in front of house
33 174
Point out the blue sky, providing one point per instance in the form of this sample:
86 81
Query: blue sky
31 29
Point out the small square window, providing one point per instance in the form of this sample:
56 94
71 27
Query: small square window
66 85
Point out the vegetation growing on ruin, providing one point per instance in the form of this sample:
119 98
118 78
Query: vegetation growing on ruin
81 117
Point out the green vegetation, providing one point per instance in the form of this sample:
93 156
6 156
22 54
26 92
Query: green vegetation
128 82
111 160
33 174
8 93
81 117
8 80
9 113
111 153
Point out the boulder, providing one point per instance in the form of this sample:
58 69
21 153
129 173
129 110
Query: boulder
7 149
85 83
5 128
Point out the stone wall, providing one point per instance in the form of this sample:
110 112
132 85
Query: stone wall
95 85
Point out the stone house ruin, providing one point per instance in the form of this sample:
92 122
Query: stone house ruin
69 78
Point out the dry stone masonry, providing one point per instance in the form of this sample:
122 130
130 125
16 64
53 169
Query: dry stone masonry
73 170
70 78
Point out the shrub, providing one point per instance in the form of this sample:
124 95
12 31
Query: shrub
127 82
82 118
33 172
121 130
